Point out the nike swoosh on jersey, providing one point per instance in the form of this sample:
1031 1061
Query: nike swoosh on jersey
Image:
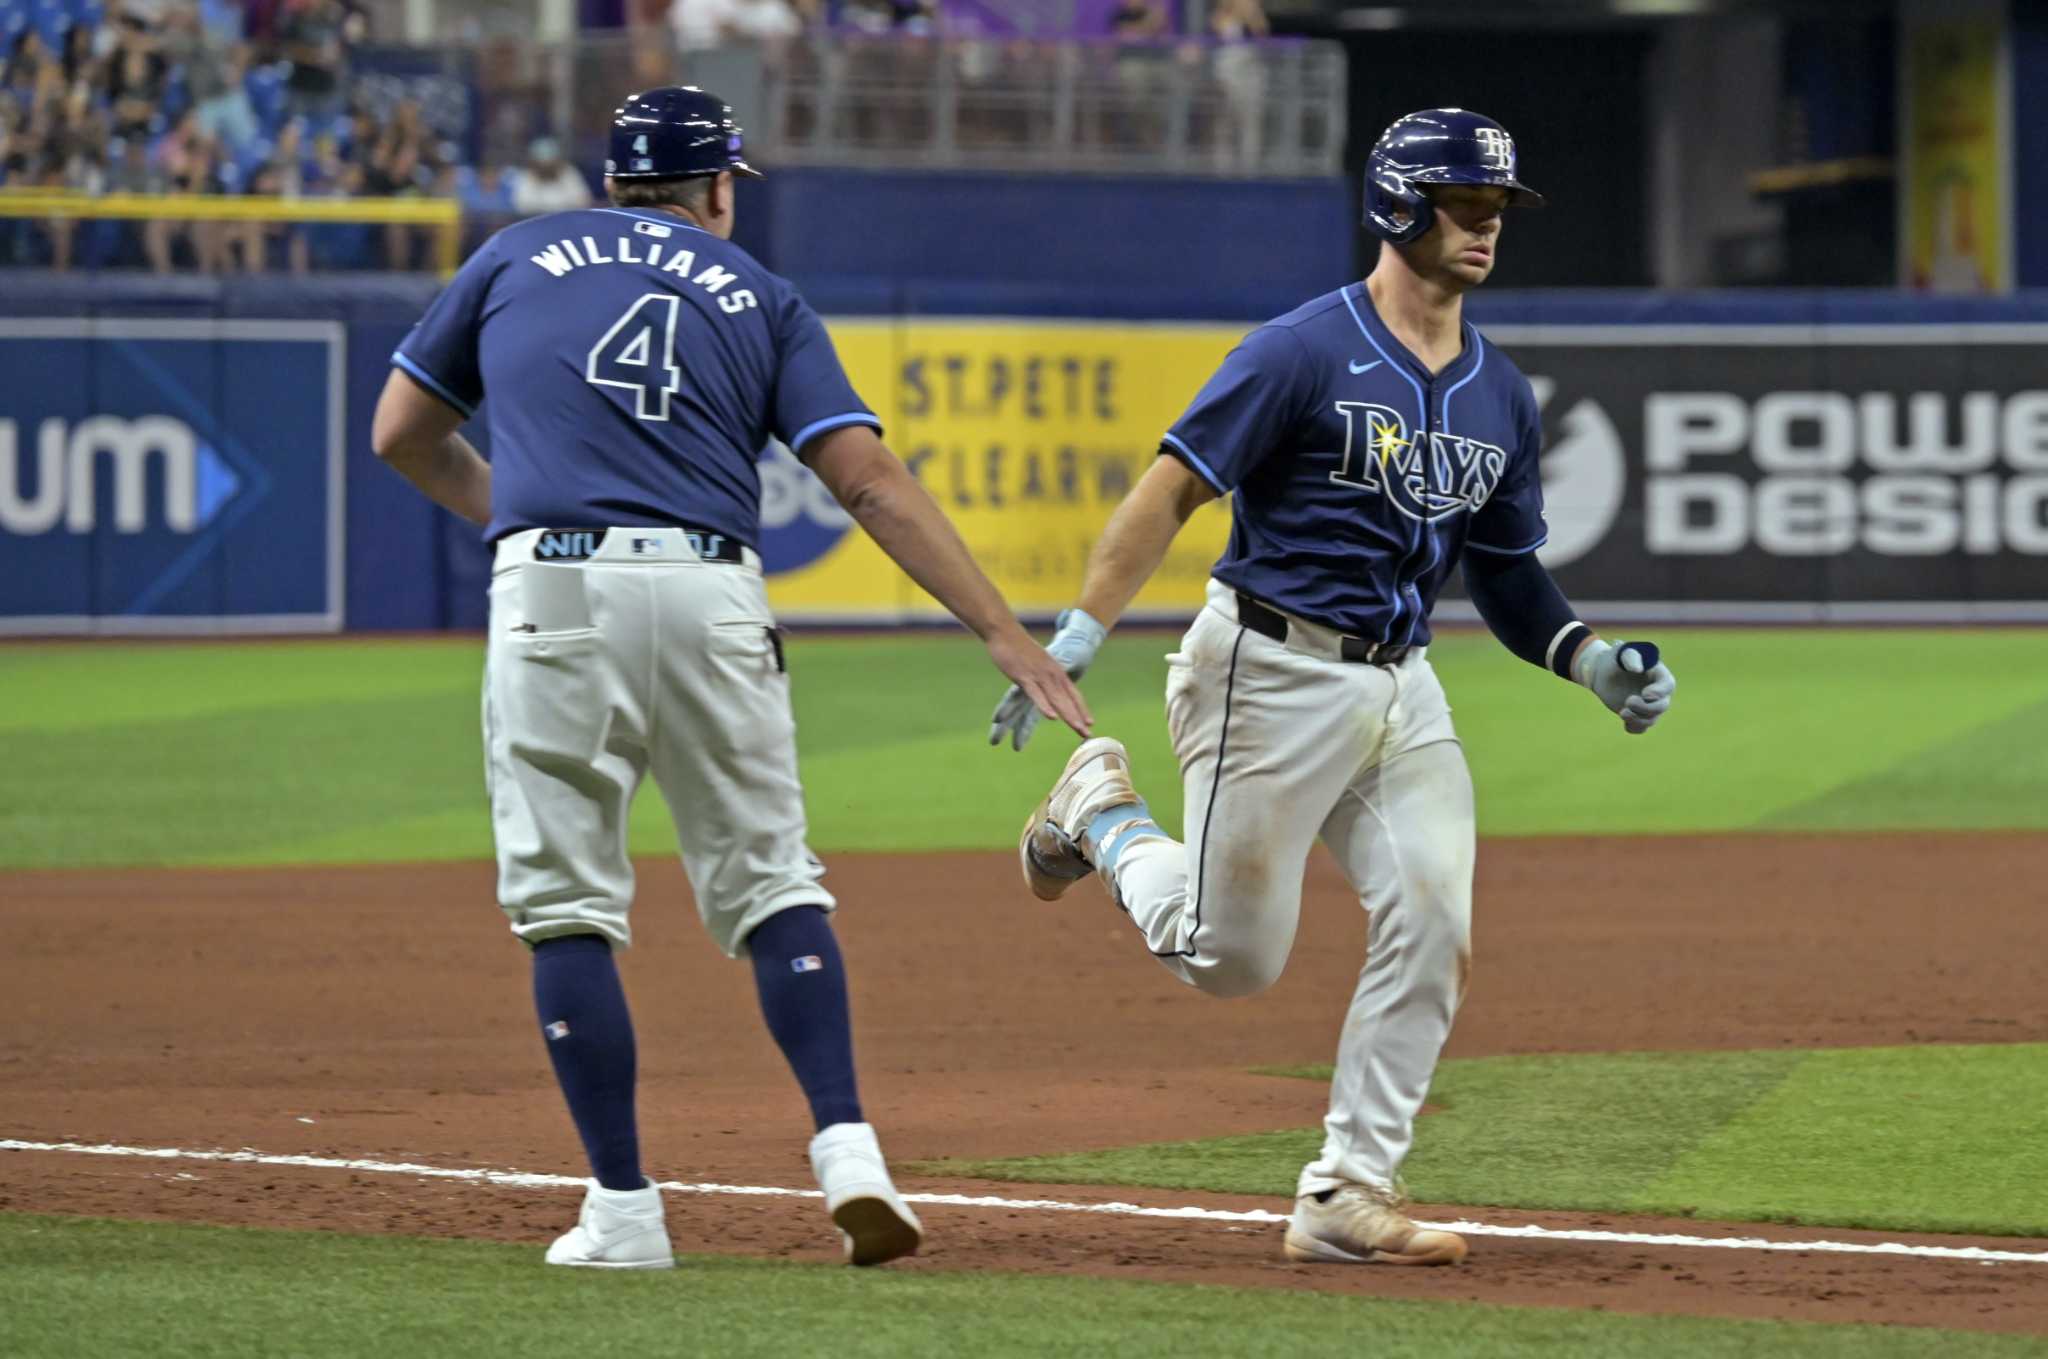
1357 367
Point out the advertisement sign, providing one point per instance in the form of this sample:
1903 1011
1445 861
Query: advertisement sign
1027 433
1795 472
170 476
1955 196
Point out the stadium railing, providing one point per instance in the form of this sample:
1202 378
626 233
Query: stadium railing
442 217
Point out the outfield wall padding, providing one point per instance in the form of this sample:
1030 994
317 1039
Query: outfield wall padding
1791 456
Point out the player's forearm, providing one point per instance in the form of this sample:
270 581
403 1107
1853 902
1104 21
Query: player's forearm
905 522
448 471
1131 548
1526 611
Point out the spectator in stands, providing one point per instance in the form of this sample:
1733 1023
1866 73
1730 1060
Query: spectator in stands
25 62
189 162
1237 25
548 183
81 60
327 168
136 82
83 132
216 78
401 165
270 239
706 25
314 36
70 156
14 149
131 171
917 18
337 245
487 192
286 166
1137 26
361 137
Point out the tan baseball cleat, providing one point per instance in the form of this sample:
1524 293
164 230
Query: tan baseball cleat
1363 1224
1096 779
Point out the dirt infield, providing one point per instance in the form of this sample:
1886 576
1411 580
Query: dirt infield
383 1012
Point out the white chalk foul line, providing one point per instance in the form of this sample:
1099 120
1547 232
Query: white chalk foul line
519 1179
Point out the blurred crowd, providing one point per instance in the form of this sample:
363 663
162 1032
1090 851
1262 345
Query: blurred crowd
224 97
265 97
1150 73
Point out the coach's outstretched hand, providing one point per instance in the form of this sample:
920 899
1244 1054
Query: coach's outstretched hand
1630 679
1072 649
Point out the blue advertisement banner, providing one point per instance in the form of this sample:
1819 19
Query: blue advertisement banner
171 476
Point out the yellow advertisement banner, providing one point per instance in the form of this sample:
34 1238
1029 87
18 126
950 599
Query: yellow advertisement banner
1028 434
1957 192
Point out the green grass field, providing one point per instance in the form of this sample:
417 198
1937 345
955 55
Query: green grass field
76 1286
332 752
338 752
1933 1139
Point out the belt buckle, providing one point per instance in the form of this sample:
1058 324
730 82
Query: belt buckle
1361 652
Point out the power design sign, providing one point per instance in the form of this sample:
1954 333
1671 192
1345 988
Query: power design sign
1796 472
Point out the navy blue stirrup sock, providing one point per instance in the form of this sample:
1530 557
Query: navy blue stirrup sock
802 982
589 1036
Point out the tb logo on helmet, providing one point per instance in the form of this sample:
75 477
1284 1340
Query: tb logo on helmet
1496 149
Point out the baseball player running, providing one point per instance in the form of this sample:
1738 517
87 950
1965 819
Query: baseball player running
1373 440
637 363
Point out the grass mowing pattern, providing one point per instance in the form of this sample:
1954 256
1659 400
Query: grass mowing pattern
78 1286
1938 1139
1951 1139
1991 778
286 752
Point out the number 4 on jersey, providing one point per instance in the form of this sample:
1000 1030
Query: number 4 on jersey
638 353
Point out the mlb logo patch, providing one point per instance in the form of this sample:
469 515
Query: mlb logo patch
810 962
647 547
557 1030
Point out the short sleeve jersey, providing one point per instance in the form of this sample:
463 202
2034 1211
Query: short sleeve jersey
1359 478
636 367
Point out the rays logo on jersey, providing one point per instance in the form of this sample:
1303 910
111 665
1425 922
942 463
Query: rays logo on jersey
1380 454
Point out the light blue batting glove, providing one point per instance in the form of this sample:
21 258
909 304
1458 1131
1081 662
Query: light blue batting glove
1074 641
1631 679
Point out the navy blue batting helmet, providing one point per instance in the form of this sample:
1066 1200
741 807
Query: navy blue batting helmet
1436 146
675 132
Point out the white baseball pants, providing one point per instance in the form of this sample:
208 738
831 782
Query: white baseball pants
1281 743
642 658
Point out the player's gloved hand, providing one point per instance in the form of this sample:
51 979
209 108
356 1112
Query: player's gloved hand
1630 679
1075 638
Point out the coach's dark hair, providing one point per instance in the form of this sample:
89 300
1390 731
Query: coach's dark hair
692 193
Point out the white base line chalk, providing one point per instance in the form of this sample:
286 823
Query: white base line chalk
515 1179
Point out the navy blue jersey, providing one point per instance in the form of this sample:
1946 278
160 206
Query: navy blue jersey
636 364
1359 477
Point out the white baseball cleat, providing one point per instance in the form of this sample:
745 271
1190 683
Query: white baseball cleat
619 1229
873 1220
1364 1224
1096 779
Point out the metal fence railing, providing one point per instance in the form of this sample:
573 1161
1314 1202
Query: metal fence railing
1255 109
